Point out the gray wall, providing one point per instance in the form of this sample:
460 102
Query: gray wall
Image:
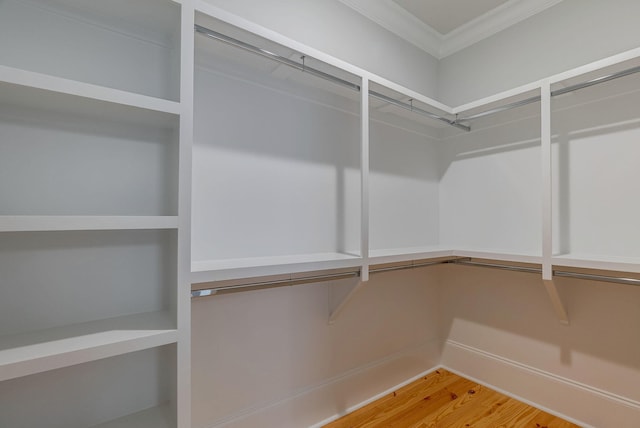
570 34
336 29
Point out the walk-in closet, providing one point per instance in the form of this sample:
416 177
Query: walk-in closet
244 214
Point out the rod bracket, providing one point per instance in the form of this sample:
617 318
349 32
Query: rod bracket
556 301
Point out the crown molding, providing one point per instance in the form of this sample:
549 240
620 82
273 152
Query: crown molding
492 22
396 19
399 21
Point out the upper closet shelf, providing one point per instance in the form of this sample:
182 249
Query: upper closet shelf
220 270
66 223
45 82
36 352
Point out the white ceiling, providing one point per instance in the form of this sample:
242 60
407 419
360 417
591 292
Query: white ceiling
443 27
445 16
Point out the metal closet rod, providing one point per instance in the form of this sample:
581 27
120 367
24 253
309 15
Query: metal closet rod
412 108
275 283
555 93
307 279
466 261
318 73
565 274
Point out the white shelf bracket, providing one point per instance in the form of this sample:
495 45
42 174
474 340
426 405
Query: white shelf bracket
556 301
340 295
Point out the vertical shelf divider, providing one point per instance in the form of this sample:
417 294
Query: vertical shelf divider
187 57
364 168
336 310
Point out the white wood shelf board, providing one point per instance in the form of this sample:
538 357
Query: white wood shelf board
39 351
15 82
623 264
406 254
499 98
155 417
595 66
499 256
68 223
560 77
218 270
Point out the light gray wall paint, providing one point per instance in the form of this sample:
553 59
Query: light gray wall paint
336 29
570 34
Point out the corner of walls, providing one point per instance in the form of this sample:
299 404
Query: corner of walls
501 330
271 355
567 35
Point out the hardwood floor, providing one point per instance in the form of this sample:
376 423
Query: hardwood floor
443 400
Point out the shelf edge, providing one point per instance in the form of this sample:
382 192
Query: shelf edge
61 85
74 223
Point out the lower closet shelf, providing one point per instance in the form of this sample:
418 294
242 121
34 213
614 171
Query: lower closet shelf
225 269
622 264
392 255
43 350
155 417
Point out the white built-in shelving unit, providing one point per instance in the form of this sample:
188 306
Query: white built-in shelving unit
100 105
276 165
404 179
90 131
490 186
595 133
427 189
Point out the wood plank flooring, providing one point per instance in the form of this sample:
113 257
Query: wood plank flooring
445 400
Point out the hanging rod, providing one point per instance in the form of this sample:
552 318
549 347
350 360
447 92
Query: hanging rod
469 262
555 93
275 283
410 107
503 108
318 73
411 266
465 261
309 279
559 273
274 57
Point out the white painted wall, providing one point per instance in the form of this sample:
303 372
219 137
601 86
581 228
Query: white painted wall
595 144
404 178
572 33
338 30
493 172
262 348
92 49
276 172
508 315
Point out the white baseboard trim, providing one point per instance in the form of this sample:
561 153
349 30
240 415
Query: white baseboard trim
573 401
339 395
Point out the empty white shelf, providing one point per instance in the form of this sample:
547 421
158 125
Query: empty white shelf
61 223
218 270
393 255
586 261
59 85
500 256
39 351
